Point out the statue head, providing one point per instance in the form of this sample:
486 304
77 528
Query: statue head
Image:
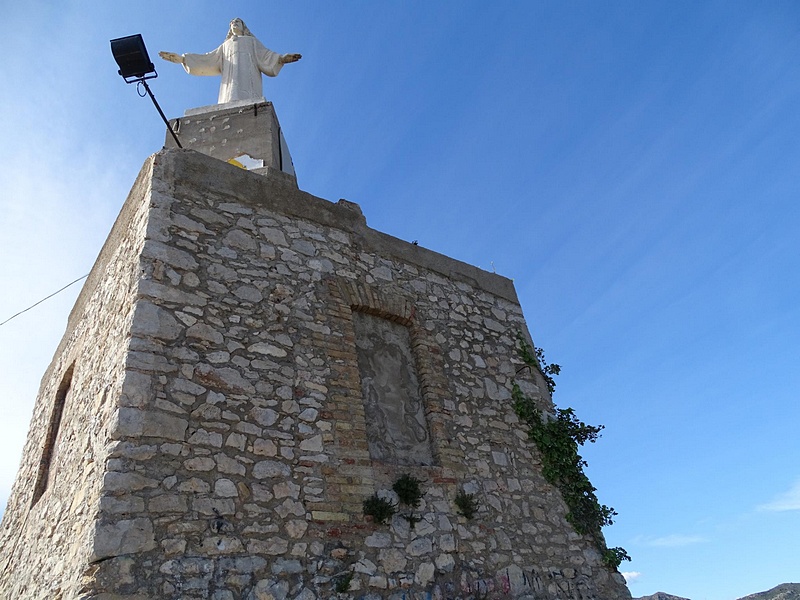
237 27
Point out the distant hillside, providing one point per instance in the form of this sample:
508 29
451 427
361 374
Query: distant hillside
785 591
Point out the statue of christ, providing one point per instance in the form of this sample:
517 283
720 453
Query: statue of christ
241 59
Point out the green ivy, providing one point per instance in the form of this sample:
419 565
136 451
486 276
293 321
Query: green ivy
614 556
534 357
558 439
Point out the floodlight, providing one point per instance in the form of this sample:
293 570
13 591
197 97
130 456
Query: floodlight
132 58
135 66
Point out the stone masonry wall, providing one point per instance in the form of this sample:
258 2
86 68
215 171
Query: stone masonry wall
46 543
238 459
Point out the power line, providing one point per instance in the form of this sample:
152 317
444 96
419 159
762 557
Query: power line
43 299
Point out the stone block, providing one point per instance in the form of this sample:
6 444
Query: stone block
133 422
115 482
225 488
205 333
167 503
154 321
127 536
392 560
424 574
420 547
270 468
179 259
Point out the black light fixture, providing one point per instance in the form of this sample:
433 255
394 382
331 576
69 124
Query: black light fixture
135 66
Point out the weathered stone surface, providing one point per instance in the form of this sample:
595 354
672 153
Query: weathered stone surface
268 589
286 489
137 390
115 482
267 349
234 364
200 463
249 293
378 540
225 379
170 255
265 448
227 464
264 416
270 468
419 547
239 239
154 321
296 529
125 536
133 422
424 574
167 293
445 563
392 560
225 488
313 444
205 332
167 503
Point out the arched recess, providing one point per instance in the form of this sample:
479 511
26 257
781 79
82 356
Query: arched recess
51 436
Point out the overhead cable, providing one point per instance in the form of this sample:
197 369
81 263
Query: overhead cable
43 299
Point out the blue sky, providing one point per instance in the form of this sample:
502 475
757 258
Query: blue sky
633 166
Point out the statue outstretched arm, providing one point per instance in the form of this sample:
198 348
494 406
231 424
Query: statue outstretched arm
197 64
171 57
290 58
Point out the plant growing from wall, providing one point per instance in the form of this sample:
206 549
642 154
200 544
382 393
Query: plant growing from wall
534 357
341 583
466 504
408 490
380 509
558 438
614 556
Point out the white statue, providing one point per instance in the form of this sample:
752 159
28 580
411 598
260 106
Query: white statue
241 59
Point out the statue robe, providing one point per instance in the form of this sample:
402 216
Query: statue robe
241 59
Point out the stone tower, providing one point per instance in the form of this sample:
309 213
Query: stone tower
245 365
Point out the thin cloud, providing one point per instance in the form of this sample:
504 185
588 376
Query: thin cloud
631 576
786 501
675 540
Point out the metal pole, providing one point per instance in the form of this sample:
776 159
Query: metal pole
158 108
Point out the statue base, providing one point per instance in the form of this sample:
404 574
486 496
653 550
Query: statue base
245 133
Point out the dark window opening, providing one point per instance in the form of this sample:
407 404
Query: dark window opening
51 437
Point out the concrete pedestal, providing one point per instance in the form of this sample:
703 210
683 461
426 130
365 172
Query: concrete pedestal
245 131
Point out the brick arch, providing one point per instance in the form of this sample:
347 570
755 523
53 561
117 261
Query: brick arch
387 302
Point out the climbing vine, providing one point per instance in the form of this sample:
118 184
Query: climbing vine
558 438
